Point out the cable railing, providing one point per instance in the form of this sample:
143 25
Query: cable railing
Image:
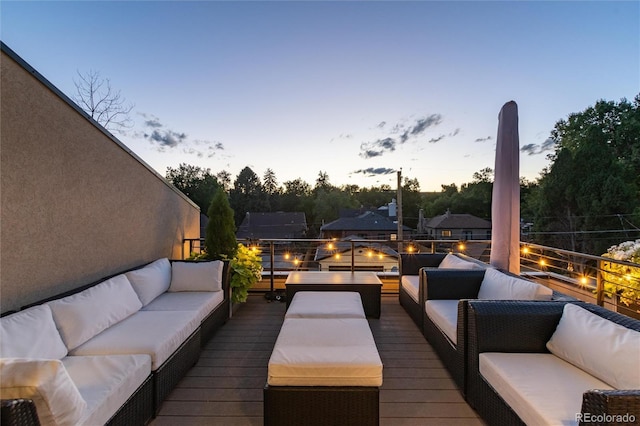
608 282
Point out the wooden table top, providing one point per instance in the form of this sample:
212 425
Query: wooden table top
333 277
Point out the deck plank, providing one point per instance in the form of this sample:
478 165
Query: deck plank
225 387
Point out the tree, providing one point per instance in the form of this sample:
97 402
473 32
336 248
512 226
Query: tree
272 190
593 178
195 182
220 238
247 195
104 104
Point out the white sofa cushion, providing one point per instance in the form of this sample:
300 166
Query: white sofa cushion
411 284
81 316
444 314
106 382
47 383
196 276
155 333
31 333
600 347
151 281
326 304
325 352
201 302
451 261
542 389
499 286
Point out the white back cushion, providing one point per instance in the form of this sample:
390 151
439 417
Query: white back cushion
47 383
499 286
598 346
151 281
451 261
83 315
31 334
196 276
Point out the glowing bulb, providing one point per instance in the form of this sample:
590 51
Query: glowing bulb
542 262
337 255
583 280
330 246
370 253
461 247
525 250
287 256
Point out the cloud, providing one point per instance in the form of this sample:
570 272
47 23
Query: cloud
436 139
534 149
167 138
406 132
455 132
374 171
377 148
488 138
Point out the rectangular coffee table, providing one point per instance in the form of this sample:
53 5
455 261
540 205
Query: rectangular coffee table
366 283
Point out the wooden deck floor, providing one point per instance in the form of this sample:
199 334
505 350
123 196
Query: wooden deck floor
225 387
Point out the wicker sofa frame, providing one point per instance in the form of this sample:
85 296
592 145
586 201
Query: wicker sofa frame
321 406
145 402
519 326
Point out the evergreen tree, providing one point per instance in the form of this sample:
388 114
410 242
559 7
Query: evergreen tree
220 239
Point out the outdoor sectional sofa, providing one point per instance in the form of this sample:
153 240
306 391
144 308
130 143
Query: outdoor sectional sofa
110 352
552 363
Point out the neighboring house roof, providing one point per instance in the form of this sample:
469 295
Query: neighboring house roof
457 221
367 221
273 225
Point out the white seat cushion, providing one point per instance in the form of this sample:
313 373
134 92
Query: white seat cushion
48 384
326 304
325 352
106 382
201 302
500 286
444 314
155 333
411 284
31 333
614 356
542 389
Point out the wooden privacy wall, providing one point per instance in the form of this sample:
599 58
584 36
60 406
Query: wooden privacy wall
76 205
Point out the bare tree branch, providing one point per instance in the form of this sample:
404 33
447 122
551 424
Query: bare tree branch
97 98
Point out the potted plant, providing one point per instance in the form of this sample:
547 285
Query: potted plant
246 270
622 281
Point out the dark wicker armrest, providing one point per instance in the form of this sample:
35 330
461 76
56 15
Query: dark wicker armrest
451 284
226 279
410 264
18 412
620 406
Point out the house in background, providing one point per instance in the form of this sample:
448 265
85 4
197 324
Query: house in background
450 226
273 225
366 225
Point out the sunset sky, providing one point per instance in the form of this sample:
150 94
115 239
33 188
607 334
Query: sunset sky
355 89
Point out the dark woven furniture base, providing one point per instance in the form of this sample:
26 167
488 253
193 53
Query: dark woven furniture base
412 307
214 321
370 294
18 412
138 410
321 406
167 376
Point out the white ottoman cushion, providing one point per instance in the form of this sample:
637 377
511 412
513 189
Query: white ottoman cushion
326 304
325 352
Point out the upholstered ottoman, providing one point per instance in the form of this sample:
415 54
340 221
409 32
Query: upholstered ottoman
323 371
326 304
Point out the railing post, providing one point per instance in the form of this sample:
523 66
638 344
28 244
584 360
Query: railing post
599 284
353 256
272 255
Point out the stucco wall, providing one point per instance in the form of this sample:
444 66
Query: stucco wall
75 205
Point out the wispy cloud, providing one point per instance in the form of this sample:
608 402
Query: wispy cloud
487 139
374 171
164 138
405 133
534 149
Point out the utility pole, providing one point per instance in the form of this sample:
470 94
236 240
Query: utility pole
399 210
